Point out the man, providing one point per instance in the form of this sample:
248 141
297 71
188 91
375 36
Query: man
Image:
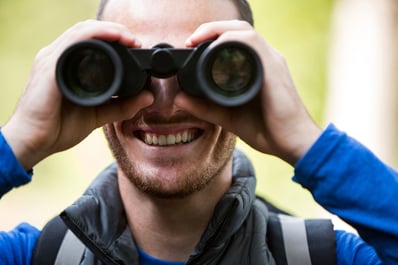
166 198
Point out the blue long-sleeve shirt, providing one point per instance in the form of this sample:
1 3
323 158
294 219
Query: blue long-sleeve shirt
343 176
351 182
16 246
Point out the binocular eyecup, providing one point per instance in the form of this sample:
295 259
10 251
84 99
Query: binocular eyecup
91 72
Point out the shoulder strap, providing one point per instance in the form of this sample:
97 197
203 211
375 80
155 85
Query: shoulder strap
57 245
71 250
296 241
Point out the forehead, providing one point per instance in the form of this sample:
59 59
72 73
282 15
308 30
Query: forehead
172 21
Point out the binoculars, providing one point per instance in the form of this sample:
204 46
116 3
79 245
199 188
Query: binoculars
91 72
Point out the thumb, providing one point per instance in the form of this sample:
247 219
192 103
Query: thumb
123 109
205 110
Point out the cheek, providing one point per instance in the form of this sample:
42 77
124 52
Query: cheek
222 145
121 132
115 141
220 136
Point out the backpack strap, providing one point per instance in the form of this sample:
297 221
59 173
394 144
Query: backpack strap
71 250
57 245
297 241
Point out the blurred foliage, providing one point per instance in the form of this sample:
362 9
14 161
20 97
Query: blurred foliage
298 29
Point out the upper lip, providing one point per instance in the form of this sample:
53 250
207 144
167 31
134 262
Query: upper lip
166 129
157 125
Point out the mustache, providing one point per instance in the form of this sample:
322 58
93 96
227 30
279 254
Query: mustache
145 118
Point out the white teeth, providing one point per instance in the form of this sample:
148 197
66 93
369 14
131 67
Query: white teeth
184 137
155 140
162 140
178 138
148 139
170 139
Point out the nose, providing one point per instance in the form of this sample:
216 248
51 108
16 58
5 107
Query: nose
164 91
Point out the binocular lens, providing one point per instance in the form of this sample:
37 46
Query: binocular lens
232 71
90 72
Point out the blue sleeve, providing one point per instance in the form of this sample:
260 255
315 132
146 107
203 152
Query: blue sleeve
16 246
351 249
12 174
351 182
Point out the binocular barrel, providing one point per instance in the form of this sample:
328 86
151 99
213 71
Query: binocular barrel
91 72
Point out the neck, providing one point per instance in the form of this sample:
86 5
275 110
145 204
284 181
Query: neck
169 229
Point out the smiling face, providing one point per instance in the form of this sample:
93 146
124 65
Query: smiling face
164 150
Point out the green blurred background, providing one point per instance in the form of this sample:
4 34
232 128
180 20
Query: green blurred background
298 29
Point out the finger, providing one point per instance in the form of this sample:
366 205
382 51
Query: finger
123 109
212 30
105 30
93 29
205 110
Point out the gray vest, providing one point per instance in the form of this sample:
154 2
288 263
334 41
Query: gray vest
241 231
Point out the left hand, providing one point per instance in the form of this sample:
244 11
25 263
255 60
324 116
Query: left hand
276 122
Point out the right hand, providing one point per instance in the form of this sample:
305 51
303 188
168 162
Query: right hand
44 122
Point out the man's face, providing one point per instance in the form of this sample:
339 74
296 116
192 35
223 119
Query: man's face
164 150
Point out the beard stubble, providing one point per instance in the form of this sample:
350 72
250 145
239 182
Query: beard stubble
194 181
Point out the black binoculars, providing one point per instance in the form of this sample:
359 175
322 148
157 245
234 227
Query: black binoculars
91 72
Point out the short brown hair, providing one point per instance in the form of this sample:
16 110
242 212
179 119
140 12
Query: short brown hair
243 6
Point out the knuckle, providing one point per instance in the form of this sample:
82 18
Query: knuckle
242 24
251 36
85 23
42 53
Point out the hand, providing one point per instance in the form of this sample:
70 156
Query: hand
44 122
276 122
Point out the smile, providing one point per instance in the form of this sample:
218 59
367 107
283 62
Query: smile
183 137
